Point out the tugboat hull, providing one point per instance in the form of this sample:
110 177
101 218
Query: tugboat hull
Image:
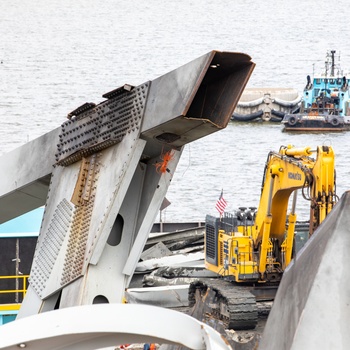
297 122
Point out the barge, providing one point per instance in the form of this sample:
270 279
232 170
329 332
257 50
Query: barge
266 104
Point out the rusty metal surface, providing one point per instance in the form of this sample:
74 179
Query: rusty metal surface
312 305
320 129
217 81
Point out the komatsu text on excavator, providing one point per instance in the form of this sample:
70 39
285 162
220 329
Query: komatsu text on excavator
256 250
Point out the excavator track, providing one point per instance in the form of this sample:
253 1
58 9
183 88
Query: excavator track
235 306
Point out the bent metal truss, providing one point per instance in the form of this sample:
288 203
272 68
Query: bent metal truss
98 179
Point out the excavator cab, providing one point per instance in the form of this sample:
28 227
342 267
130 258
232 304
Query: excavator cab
230 248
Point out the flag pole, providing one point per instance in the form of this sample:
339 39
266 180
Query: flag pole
221 204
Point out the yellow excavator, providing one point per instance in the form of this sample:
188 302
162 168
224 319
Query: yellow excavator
252 249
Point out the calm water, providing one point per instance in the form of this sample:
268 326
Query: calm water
55 55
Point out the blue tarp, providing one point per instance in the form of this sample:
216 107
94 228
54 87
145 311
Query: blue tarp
26 223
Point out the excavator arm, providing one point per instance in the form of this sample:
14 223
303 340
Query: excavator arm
324 195
285 172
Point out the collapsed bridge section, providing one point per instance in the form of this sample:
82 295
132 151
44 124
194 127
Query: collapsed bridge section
107 175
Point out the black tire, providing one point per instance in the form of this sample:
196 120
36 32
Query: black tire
335 121
292 120
247 117
278 113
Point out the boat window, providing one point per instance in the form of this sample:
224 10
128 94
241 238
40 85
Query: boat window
318 81
331 81
338 81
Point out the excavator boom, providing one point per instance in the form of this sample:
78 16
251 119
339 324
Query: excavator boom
289 170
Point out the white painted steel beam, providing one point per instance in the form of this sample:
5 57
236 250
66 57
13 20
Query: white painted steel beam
165 296
190 260
312 306
25 176
91 327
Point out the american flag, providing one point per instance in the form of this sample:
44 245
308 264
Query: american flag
221 203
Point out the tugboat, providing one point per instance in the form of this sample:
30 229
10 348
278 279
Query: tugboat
326 102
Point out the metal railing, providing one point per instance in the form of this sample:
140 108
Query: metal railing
21 283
